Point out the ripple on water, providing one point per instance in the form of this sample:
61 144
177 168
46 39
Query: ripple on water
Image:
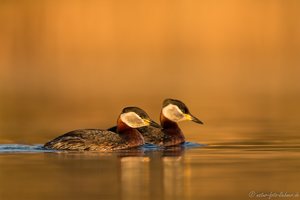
21 148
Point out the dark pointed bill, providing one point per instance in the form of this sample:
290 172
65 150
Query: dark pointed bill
195 119
153 123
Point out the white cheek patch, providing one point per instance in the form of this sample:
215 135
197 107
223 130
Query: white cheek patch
173 113
132 120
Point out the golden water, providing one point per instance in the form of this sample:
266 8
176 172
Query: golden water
242 155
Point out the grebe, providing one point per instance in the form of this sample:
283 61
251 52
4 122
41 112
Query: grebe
173 111
125 136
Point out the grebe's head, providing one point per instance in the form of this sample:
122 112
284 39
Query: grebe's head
177 111
135 117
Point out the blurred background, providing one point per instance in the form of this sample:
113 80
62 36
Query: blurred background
75 64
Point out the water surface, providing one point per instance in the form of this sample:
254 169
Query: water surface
217 171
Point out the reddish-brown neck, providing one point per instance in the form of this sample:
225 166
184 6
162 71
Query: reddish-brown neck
167 124
172 133
131 135
122 127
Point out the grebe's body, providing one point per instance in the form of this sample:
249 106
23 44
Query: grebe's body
123 137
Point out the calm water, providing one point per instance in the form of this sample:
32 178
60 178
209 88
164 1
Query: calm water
214 171
252 149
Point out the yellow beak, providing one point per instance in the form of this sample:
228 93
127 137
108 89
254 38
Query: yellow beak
192 118
151 123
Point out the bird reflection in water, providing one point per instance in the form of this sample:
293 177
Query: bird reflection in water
173 170
156 175
134 177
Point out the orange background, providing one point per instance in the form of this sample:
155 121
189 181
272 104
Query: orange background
75 64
